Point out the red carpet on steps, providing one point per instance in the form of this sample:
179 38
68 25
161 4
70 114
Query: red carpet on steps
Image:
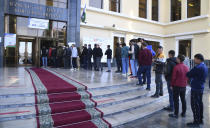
63 103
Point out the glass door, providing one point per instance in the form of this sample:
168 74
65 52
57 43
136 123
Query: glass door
25 55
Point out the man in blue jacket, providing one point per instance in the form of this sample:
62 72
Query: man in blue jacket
197 77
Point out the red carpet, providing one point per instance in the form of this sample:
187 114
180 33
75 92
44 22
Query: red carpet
63 103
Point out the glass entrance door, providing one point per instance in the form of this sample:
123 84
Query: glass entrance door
25 53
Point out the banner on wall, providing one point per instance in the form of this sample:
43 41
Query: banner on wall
103 42
10 40
38 23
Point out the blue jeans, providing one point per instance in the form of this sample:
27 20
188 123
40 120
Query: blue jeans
170 92
125 65
145 70
159 83
134 67
44 61
109 64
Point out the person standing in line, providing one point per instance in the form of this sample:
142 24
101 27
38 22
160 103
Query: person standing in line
94 56
67 56
109 57
74 57
84 57
125 59
197 77
145 65
54 56
99 55
118 58
44 54
59 56
159 67
89 57
134 51
170 64
178 85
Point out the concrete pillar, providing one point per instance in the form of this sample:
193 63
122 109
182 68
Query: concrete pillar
73 27
2 33
184 10
149 9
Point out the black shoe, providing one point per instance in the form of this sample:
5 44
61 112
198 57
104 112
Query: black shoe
148 89
201 122
168 109
193 124
139 84
144 82
183 115
161 94
108 71
155 96
173 116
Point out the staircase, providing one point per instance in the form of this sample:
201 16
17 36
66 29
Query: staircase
119 104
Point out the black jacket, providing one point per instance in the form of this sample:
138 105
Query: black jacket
118 52
108 53
90 53
98 52
94 52
85 51
170 64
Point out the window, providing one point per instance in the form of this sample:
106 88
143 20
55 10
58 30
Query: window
193 8
175 10
185 48
155 10
96 3
114 5
143 8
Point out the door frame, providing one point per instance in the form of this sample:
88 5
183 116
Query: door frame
26 39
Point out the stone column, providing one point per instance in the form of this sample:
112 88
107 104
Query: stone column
73 27
2 33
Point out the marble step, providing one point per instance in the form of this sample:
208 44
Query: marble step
121 98
134 114
116 91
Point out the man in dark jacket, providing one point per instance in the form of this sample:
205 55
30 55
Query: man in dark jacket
89 57
197 78
170 64
159 67
145 64
54 56
94 56
44 54
60 56
84 56
109 57
118 58
179 84
98 55
67 57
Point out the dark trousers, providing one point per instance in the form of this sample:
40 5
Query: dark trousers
89 64
85 62
94 63
159 83
60 60
144 76
197 105
119 64
74 62
170 92
147 71
66 61
98 63
179 92
55 65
